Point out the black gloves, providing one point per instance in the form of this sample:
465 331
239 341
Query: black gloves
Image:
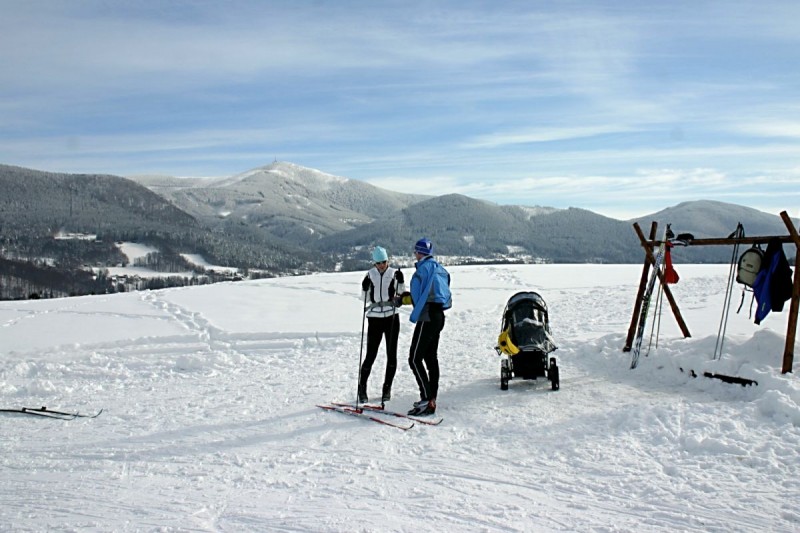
365 285
399 276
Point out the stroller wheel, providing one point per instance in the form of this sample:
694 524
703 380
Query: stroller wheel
554 377
505 374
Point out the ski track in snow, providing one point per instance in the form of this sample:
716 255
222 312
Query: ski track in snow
210 421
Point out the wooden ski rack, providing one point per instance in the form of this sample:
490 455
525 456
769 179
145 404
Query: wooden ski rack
650 244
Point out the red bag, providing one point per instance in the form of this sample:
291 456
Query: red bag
670 275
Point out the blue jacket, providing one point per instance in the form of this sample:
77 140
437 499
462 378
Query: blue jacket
773 284
430 283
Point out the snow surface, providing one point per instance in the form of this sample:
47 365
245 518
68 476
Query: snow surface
210 422
135 250
199 260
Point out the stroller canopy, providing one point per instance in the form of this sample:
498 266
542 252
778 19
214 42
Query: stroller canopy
526 324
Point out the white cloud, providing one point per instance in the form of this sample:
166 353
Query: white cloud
577 103
772 128
538 135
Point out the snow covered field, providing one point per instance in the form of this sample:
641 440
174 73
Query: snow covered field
210 423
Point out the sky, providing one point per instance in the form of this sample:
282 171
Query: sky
210 421
623 108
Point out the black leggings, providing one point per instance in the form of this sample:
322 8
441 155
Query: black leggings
423 356
380 327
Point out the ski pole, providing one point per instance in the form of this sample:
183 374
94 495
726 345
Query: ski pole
657 320
723 321
361 346
391 340
660 309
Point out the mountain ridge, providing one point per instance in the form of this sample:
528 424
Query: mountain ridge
286 217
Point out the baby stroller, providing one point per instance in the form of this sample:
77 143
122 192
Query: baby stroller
525 341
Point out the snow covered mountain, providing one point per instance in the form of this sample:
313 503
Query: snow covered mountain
333 214
295 203
285 218
712 219
709 218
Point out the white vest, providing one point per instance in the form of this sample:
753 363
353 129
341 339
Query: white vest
384 288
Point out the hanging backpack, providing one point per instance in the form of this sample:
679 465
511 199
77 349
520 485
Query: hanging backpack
747 270
749 265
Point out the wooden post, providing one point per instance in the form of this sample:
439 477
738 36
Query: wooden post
670 298
648 250
637 307
648 261
791 329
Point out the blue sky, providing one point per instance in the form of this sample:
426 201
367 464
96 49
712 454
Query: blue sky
619 107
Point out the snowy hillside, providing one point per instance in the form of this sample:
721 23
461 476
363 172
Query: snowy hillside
210 423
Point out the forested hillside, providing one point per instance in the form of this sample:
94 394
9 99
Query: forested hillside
284 219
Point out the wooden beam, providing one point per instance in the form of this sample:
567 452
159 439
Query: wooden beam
791 329
676 312
637 307
731 242
649 261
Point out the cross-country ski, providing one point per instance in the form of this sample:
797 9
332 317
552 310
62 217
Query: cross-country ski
49 413
648 296
427 420
367 415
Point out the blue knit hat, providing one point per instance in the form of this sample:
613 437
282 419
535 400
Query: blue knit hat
379 255
424 247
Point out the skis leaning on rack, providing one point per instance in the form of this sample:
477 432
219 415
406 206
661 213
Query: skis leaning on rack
49 413
648 295
374 412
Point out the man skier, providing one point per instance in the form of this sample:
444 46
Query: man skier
430 296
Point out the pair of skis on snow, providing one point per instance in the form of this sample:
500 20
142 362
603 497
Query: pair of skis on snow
381 415
49 413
